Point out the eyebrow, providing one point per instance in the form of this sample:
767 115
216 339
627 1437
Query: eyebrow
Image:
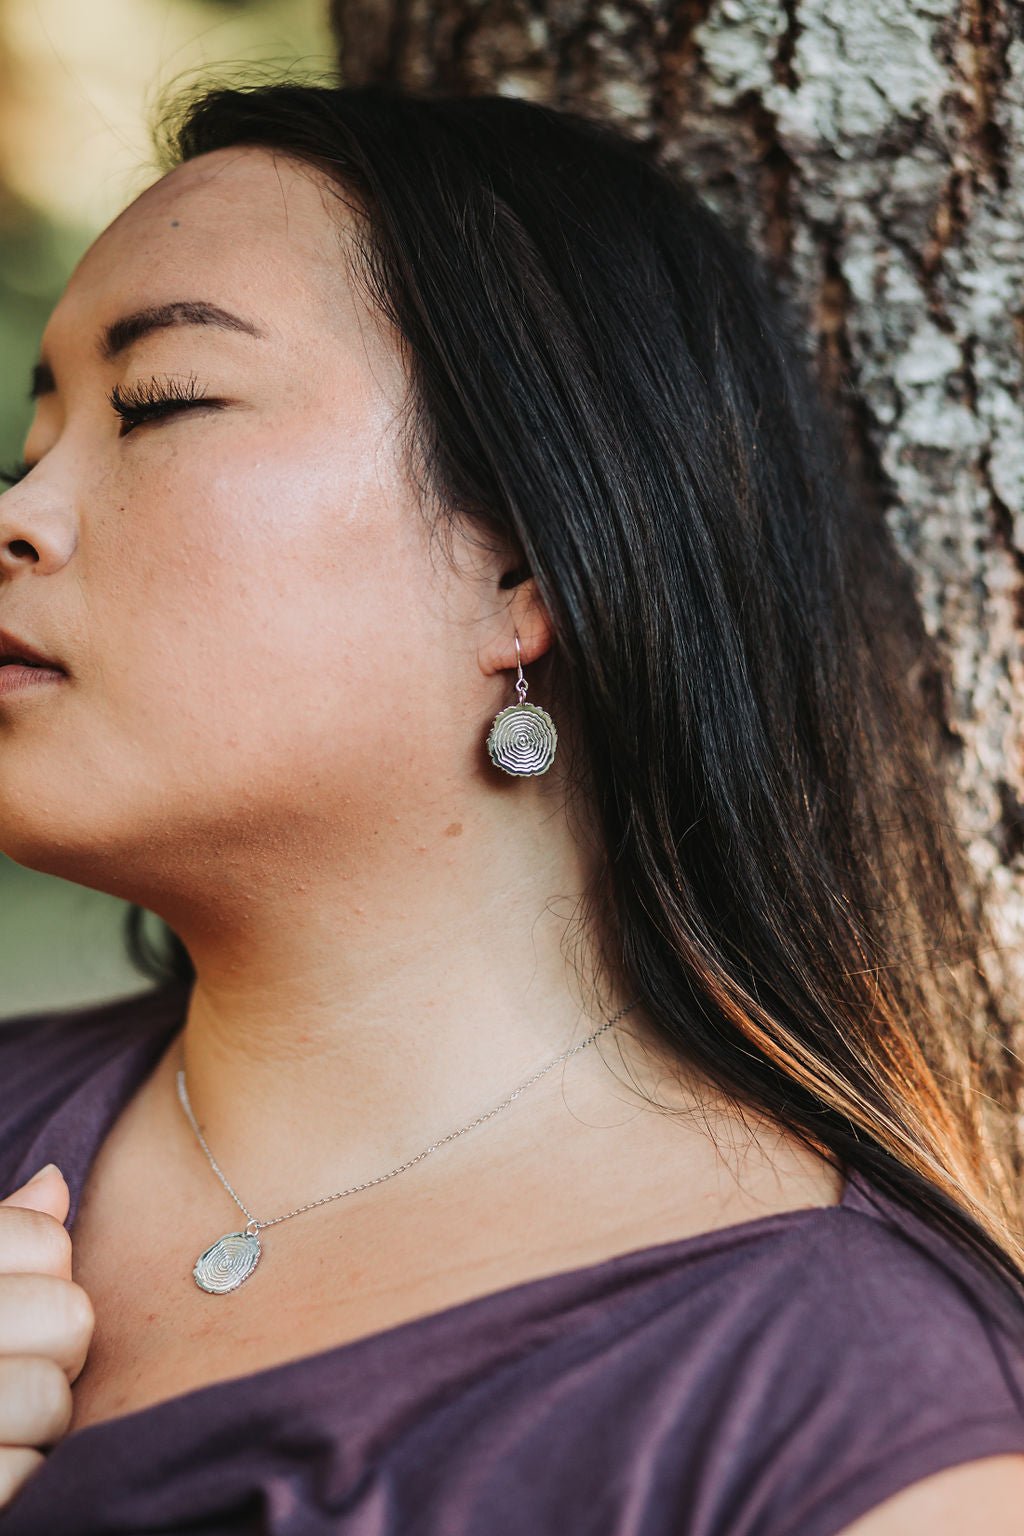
121 334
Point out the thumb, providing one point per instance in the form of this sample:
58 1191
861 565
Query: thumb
46 1191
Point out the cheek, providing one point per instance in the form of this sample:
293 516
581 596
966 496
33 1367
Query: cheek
263 632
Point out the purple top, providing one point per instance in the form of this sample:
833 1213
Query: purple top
776 1378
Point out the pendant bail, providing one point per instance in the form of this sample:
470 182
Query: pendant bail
252 1228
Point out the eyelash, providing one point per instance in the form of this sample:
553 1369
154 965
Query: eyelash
153 399
135 405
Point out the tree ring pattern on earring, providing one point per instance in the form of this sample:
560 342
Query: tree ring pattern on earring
522 740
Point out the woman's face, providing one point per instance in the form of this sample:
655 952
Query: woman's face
258 634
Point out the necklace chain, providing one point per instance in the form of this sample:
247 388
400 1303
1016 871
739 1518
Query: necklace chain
355 1188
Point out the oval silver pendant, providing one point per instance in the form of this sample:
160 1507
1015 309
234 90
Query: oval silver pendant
227 1263
522 740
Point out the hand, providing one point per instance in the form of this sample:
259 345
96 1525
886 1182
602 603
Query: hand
46 1324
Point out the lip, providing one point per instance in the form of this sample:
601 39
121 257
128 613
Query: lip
15 679
11 645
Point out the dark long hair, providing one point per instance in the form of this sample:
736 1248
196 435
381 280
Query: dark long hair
601 371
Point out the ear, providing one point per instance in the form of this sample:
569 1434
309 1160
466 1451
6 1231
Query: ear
524 614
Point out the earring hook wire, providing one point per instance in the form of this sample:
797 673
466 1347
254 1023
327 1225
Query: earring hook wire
521 684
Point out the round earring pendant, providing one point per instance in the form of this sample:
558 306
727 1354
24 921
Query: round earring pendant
522 740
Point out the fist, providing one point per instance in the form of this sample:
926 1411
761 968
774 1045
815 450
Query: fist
46 1324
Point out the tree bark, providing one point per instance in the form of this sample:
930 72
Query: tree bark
874 154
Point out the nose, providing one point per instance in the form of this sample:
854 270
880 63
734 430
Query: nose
34 536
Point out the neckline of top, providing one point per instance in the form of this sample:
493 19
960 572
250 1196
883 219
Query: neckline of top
128 1068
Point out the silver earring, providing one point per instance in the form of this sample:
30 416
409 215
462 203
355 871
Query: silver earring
522 739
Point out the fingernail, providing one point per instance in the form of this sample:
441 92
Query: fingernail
43 1171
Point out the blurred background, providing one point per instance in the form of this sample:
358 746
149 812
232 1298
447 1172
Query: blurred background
80 84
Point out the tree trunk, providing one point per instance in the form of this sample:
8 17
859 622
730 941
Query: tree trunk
874 153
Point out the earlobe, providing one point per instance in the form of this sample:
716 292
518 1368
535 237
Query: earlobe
530 622
521 613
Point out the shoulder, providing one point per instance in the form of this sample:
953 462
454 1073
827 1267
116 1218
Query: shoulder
871 1290
48 1056
847 1357
32 1043
906 1358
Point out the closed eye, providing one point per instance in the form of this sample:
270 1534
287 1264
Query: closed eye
148 400
156 398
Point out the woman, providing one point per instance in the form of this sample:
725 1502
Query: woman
607 1069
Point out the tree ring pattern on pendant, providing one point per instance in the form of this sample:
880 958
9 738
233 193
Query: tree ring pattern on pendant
227 1262
522 739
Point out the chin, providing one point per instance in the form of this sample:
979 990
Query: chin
42 835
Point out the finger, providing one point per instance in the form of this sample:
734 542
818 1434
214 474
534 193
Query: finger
33 1243
46 1191
43 1316
35 1400
17 1463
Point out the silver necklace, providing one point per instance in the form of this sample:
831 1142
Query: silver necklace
229 1262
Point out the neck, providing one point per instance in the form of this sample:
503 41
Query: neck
347 1016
